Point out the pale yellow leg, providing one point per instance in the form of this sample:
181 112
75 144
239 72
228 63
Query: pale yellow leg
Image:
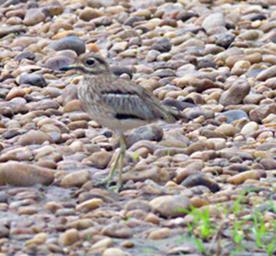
111 173
121 162
118 161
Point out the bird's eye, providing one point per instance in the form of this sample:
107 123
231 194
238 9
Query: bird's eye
90 62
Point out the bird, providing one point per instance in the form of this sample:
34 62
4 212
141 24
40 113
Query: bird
116 103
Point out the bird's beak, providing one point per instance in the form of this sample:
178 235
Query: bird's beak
71 67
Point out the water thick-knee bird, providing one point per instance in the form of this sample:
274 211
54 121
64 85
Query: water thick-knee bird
116 103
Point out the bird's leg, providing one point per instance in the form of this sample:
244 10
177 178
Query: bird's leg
121 161
111 173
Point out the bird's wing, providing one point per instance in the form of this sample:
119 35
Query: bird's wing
128 100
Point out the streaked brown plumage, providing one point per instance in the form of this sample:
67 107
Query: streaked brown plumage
116 103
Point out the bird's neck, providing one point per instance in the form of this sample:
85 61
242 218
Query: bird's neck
103 76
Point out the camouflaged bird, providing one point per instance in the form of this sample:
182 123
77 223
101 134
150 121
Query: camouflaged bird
116 103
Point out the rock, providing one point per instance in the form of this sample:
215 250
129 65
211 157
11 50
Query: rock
4 232
200 179
33 137
34 16
89 205
22 174
233 115
73 43
242 177
183 173
236 93
137 204
75 179
268 164
79 124
7 30
253 98
249 128
267 73
159 233
149 132
224 39
197 146
155 173
38 239
53 8
3 197
162 45
88 14
194 112
212 21
99 159
15 92
59 61
69 237
163 73
261 112
17 154
240 67
101 245
33 79
170 206
117 230
73 105
226 129
114 252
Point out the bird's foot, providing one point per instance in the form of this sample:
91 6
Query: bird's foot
110 184
106 182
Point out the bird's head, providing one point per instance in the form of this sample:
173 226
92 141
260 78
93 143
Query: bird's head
89 63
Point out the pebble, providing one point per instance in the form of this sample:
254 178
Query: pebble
22 174
38 239
226 129
89 205
236 93
213 21
34 16
88 14
114 252
160 233
33 79
6 30
69 237
162 45
242 177
73 43
17 154
117 230
261 112
170 206
101 245
267 73
249 128
60 60
99 159
33 137
199 179
149 132
15 92
75 179
235 114
225 40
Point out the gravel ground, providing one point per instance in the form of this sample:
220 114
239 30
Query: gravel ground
202 186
